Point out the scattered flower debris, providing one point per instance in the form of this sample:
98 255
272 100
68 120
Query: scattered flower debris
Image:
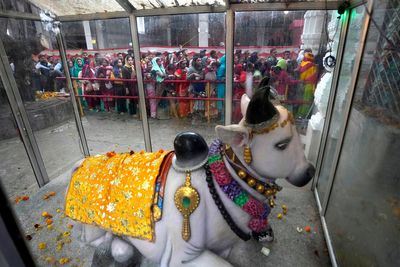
265 251
37 226
59 247
42 245
50 227
49 221
307 229
63 261
279 216
48 195
50 260
111 154
299 229
58 210
21 198
284 209
66 234
28 237
70 226
46 214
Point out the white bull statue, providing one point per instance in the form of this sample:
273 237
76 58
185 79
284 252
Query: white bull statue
233 204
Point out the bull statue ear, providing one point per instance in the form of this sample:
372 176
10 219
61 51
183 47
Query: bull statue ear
235 135
244 102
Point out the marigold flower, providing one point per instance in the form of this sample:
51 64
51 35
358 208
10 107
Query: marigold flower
50 260
42 245
46 214
63 261
111 154
66 234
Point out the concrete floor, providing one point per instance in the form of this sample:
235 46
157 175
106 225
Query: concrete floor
108 131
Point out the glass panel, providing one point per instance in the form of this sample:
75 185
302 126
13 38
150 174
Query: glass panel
48 107
16 174
97 51
287 47
345 78
190 63
364 208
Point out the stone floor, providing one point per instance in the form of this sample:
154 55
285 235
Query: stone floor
108 131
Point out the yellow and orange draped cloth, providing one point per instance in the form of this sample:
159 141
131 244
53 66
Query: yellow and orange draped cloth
117 192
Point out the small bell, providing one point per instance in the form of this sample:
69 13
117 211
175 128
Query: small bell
247 154
251 182
271 203
260 188
242 174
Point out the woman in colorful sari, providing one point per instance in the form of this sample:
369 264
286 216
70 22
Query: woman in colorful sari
88 86
182 89
149 84
159 71
128 72
119 86
78 65
221 86
308 74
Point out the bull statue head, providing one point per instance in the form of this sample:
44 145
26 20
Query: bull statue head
270 133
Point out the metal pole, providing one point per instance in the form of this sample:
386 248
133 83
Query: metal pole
139 78
78 121
331 99
21 118
352 88
230 27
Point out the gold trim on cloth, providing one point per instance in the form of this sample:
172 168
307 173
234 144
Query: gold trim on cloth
116 192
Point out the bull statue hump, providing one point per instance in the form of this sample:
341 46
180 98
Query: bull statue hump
213 196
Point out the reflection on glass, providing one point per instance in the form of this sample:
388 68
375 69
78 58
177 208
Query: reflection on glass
16 174
101 64
43 94
184 74
286 50
364 208
352 43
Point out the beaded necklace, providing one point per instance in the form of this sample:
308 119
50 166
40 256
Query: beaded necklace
256 209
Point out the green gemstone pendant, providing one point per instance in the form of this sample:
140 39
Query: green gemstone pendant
187 199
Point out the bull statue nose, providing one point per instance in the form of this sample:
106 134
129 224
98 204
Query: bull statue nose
306 177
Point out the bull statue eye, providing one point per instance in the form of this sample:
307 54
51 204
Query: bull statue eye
282 145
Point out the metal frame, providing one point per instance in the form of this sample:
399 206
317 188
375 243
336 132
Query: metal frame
21 118
139 78
229 39
331 99
18 15
78 121
348 104
203 9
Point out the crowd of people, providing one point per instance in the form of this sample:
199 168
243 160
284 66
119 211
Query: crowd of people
177 84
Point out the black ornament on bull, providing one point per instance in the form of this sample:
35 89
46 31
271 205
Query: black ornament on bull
190 149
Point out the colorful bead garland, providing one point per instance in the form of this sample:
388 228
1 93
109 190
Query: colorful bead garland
257 210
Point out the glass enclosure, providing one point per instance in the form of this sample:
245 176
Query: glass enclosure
184 74
345 79
101 64
363 213
182 59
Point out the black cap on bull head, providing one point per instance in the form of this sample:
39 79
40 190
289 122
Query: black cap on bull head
190 150
260 109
